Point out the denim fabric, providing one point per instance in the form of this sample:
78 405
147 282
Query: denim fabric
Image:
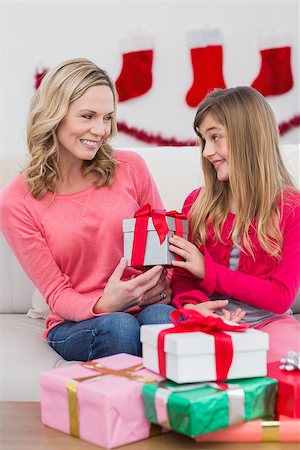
105 335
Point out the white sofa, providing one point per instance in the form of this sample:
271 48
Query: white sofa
24 352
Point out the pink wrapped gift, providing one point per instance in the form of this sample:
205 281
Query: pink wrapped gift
99 401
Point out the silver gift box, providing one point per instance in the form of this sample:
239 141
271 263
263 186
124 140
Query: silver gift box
155 253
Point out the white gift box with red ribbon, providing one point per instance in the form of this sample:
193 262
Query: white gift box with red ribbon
191 357
146 236
156 253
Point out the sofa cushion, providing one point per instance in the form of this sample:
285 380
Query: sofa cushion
26 354
15 287
39 309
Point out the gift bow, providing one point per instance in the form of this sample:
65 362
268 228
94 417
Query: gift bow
292 362
190 320
158 217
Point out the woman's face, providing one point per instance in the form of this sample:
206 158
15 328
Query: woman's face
87 123
215 146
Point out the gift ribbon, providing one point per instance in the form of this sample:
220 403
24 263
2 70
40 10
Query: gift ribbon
236 404
291 363
72 386
160 224
189 320
270 430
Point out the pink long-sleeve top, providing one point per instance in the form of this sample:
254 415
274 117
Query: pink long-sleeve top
69 245
263 282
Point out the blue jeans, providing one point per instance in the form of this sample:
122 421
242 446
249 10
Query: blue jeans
117 332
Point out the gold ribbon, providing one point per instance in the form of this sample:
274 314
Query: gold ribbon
72 386
73 407
270 430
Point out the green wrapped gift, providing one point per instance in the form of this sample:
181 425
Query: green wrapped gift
199 408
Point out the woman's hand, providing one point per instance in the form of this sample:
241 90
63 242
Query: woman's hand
161 293
120 295
208 309
193 259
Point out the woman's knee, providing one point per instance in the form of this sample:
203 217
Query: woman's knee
118 333
97 337
72 343
118 323
155 314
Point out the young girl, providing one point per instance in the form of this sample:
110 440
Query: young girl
244 224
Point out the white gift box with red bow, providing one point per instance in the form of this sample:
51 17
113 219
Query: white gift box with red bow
191 356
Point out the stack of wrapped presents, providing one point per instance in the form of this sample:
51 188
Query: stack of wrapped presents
204 377
218 384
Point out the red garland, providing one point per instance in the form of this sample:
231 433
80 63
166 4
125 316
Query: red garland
284 127
156 139
159 140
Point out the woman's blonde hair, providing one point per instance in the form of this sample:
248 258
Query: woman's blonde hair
257 176
60 87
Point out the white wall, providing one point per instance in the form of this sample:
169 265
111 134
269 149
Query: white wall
47 33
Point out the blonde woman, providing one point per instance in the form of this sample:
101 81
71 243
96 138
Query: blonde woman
244 224
63 219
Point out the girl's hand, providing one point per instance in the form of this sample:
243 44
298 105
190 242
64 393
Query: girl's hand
120 295
208 309
193 259
161 293
235 316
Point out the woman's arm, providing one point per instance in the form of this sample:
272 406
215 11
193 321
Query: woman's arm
24 234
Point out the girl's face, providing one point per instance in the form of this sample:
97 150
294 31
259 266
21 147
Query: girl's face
86 124
215 146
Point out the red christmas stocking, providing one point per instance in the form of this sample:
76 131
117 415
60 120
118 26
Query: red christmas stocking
39 75
207 61
135 78
275 76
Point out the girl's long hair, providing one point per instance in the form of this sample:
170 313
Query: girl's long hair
258 179
60 87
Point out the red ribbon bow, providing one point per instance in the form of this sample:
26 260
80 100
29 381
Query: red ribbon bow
158 217
189 320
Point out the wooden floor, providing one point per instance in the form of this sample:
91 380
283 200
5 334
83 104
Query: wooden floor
21 429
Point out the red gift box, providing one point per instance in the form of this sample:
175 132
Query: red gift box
288 398
283 429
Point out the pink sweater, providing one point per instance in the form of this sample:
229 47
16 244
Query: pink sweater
70 246
263 283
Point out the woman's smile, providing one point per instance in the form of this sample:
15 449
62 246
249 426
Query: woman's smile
91 145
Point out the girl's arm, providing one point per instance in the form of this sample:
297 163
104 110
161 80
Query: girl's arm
185 289
184 284
274 292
